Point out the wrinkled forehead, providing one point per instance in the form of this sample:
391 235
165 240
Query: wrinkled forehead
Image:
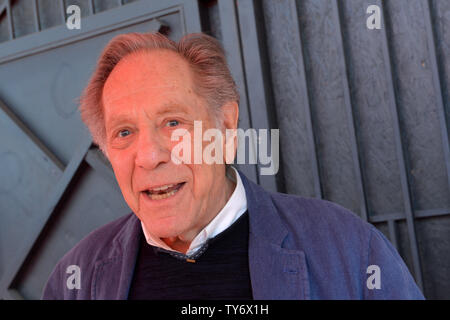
156 71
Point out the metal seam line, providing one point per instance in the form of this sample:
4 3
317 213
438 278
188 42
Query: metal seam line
418 214
10 22
393 233
350 118
63 11
400 156
91 7
37 25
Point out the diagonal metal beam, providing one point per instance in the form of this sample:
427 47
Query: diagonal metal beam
41 148
100 164
114 19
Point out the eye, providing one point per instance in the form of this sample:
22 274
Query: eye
172 123
123 133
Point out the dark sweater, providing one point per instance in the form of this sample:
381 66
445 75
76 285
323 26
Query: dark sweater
219 272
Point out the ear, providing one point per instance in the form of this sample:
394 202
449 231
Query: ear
230 118
230 115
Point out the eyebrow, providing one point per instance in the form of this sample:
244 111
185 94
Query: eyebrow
171 107
167 107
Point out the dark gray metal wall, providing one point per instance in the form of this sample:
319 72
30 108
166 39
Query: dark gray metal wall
57 187
363 117
363 114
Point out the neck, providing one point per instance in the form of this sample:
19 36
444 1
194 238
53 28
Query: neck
177 244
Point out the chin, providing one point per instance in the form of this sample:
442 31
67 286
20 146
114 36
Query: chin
164 227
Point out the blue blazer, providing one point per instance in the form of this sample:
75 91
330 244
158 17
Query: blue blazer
299 248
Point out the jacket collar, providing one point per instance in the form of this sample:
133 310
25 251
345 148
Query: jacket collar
264 219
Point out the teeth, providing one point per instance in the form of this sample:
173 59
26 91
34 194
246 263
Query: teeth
163 187
161 196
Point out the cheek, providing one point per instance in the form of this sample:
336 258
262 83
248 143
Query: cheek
203 176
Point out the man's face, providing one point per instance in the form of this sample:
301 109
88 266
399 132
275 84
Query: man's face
147 96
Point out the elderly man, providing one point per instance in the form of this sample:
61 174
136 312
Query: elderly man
202 230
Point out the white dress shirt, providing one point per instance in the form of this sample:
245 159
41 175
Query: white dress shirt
233 209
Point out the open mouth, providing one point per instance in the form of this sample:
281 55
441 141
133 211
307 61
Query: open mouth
163 192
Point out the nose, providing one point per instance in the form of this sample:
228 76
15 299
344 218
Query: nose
151 152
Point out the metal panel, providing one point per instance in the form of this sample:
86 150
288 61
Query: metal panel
90 202
20 11
51 13
373 119
327 90
230 37
434 247
292 99
418 103
379 100
258 81
437 87
107 21
33 232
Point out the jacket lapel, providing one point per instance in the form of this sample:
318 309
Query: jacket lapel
276 271
112 276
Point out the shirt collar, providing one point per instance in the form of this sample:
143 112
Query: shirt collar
233 209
